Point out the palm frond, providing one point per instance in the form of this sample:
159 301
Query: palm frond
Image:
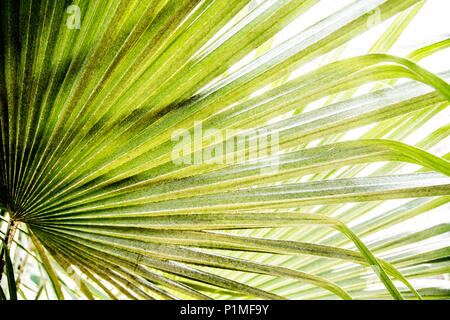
134 151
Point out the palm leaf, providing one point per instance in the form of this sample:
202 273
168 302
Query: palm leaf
101 103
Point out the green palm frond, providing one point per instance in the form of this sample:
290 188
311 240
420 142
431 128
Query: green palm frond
186 149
